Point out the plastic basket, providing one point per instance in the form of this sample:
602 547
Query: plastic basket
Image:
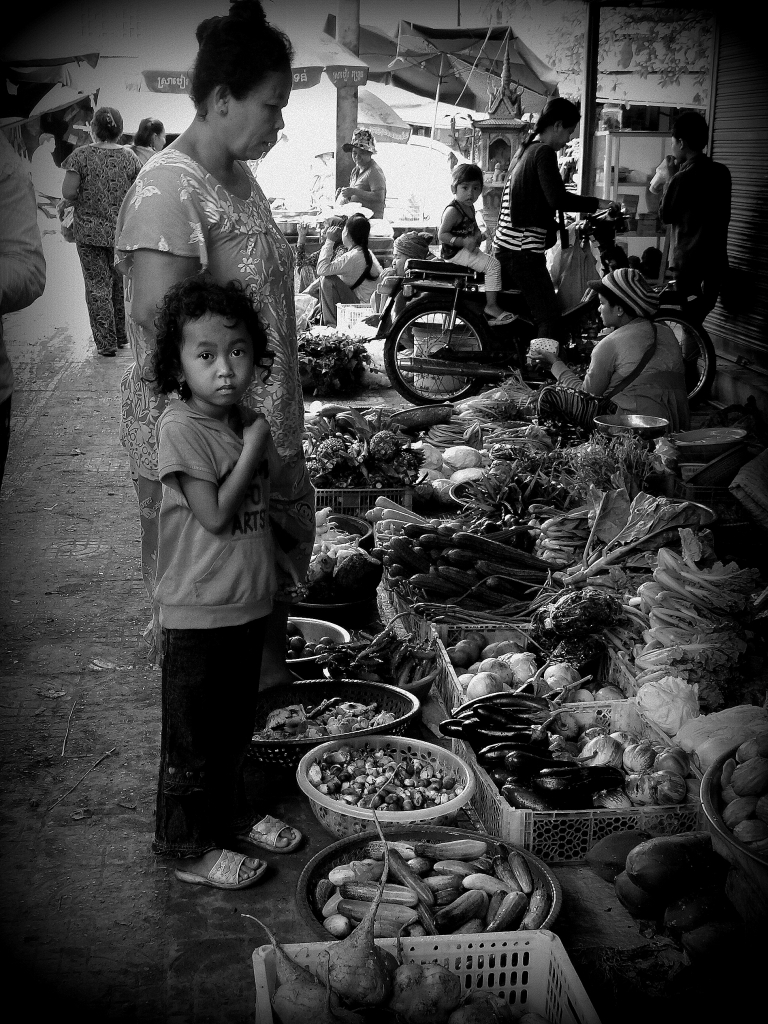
567 836
288 753
350 313
352 848
530 969
343 820
621 673
353 501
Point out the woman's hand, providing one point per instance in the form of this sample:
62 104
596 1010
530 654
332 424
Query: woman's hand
303 230
550 358
333 233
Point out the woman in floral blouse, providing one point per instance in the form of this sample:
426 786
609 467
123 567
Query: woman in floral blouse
196 206
97 177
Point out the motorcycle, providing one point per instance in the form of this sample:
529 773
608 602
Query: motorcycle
442 348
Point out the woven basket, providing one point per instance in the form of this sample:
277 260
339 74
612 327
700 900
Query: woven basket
341 819
351 848
288 753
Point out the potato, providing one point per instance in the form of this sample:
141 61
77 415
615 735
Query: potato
459 658
495 650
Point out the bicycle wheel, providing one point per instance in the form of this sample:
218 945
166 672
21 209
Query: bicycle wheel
698 354
422 330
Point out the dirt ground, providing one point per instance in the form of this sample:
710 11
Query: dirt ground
91 922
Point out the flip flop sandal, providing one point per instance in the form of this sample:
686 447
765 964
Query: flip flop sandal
264 834
225 873
503 318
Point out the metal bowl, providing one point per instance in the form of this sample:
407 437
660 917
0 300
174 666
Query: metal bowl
647 427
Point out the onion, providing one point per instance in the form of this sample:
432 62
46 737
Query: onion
669 787
424 993
483 683
611 798
602 750
581 696
673 759
638 757
498 668
559 675
609 693
523 666
640 789
624 738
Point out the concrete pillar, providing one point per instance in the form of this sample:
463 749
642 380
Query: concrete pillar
348 34
588 123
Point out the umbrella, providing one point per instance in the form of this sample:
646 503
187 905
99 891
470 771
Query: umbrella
378 116
460 65
30 87
313 57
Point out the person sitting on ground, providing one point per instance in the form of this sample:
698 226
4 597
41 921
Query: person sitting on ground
412 245
306 262
460 235
351 277
367 184
627 304
149 139
216 579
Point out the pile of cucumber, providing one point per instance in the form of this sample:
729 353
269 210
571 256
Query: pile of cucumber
455 887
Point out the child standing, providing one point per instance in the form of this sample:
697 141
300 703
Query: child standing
215 580
460 235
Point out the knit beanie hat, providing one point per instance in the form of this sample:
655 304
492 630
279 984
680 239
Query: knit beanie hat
413 244
629 287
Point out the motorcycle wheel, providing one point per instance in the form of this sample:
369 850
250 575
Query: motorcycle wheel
698 355
430 319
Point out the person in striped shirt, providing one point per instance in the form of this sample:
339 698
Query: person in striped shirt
533 194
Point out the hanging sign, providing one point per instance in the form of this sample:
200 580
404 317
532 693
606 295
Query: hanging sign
166 81
306 77
343 74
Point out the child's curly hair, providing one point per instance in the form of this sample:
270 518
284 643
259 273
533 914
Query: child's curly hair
189 300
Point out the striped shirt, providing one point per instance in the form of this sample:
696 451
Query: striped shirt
532 239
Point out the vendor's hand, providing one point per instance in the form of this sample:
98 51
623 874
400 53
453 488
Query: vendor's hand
303 231
550 358
672 165
346 193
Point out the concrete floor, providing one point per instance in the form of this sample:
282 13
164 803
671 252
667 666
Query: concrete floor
92 923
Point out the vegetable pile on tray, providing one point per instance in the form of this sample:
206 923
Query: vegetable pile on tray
372 778
387 658
744 792
345 448
542 758
455 887
332 717
339 570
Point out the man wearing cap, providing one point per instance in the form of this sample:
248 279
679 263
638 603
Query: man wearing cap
639 364
367 184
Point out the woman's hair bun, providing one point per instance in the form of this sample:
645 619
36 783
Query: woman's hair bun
248 10
205 27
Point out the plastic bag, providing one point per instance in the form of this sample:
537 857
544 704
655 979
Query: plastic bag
669 703
306 307
571 269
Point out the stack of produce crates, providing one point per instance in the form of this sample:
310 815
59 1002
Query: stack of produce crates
356 501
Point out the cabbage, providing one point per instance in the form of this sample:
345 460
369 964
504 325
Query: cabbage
523 666
602 750
442 491
433 457
669 702
461 456
483 683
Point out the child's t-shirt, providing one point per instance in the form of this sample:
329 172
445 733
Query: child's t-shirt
207 580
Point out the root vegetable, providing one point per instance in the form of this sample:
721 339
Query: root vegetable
358 970
482 1008
484 682
299 996
424 993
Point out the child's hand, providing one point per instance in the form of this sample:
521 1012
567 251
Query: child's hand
470 243
255 434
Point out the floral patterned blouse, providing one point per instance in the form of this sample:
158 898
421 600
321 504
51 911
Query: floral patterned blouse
105 177
176 207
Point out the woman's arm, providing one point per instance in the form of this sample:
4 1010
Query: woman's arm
214 505
601 368
70 186
344 264
557 195
152 275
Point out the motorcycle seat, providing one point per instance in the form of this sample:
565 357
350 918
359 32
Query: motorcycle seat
440 268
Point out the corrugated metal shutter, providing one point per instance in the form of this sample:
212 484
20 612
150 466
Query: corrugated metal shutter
740 140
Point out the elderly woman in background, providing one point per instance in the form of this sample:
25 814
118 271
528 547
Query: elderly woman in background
149 139
639 365
97 178
196 205
412 245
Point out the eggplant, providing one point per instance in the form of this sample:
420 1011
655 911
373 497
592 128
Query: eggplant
495 753
528 761
498 717
520 700
523 797
501 775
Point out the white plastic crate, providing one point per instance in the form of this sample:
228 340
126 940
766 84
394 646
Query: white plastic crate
350 313
353 501
567 836
447 681
621 673
530 969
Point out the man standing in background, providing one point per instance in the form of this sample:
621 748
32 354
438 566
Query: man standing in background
22 266
696 204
